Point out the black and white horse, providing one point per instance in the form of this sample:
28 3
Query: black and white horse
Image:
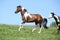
57 19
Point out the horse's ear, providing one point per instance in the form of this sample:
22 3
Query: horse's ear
19 6
52 13
25 10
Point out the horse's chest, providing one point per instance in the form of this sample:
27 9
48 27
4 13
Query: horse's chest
26 15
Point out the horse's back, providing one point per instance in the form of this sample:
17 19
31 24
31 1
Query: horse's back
37 17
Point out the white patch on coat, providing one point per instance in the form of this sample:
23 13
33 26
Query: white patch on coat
57 18
27 14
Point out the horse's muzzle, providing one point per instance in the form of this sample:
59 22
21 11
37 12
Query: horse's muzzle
15 12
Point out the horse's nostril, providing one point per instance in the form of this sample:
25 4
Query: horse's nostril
15 12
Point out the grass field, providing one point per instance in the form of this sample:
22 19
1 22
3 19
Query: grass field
9 32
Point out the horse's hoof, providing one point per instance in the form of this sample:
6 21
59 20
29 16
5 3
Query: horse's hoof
39 32
32 31
18 29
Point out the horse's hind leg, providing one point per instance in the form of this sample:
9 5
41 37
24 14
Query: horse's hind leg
34 27
58 29
40 28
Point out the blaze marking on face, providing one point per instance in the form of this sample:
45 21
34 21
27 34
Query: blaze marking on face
50 16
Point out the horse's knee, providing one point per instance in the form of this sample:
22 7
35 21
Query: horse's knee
58 28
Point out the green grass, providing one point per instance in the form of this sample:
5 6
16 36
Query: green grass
8 32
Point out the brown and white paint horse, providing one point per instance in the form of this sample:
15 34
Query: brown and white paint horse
27 17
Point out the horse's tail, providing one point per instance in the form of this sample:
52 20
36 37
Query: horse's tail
44 23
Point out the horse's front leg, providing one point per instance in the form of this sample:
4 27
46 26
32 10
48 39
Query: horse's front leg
21 26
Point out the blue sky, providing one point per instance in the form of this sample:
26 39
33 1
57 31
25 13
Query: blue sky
42 7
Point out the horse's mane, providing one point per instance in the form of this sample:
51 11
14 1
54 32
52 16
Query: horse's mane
25 10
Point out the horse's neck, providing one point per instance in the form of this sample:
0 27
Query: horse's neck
56 18
22 13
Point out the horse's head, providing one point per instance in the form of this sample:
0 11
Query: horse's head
19 9
51 15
